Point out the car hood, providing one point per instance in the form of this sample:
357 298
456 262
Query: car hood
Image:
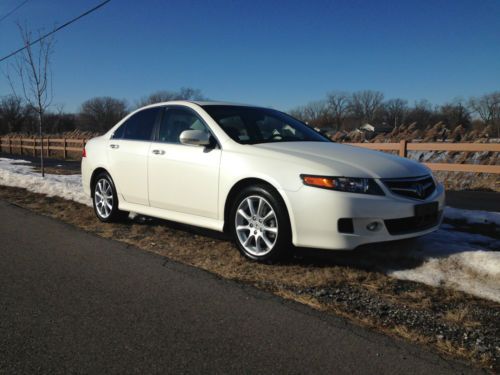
344 160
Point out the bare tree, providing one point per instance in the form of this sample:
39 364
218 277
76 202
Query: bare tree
11 114
338 104
488 108
395 111
366 104
314 113
185 93
422 113
32 67
101 113
454 114
59 121
188 93
298 113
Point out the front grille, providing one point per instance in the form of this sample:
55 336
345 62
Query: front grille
412 224
414 187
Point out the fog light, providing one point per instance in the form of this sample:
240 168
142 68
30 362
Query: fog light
373 226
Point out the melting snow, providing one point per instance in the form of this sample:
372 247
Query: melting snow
453 259
19 173
447 257
472 216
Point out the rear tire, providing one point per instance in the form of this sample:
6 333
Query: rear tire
105 200
260 224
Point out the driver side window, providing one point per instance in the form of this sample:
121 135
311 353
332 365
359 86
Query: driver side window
175 121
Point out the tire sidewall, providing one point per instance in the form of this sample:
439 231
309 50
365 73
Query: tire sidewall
283 240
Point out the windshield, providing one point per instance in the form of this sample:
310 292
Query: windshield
251 125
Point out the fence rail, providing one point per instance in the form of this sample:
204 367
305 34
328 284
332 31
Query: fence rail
70 145
403 147
33 146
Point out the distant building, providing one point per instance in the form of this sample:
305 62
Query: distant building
376 129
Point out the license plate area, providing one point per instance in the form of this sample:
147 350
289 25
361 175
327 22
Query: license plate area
426 210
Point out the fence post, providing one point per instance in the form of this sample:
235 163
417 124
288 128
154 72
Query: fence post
48 146
64 148
403 150
34 147
21 146
10 145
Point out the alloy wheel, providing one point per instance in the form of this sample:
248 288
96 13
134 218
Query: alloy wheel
103 197
256 225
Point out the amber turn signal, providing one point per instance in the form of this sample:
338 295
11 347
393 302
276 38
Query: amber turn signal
318 181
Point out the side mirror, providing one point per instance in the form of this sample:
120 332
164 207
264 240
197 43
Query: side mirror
195 138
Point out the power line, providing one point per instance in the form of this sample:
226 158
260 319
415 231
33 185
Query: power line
56 30
13 10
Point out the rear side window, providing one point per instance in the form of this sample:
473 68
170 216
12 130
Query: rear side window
138 127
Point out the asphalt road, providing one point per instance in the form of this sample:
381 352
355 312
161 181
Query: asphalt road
72 302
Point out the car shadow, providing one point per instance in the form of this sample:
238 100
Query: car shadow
402 255
149 221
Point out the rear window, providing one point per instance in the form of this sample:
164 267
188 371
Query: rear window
139 126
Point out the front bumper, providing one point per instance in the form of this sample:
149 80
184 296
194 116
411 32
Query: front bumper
314 215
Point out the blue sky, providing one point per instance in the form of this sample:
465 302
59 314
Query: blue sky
273 53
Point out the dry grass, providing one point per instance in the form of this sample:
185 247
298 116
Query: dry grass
305 300
408 334
461 316
215 253
458 316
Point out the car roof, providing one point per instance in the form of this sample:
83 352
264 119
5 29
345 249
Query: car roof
204 103
199 103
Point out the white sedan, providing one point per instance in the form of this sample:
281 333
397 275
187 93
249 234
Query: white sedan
259 174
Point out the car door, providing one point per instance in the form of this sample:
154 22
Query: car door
128 155
183 178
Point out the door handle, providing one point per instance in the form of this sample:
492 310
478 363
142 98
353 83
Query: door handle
114 146
158 152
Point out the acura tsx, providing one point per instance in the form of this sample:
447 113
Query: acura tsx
259 174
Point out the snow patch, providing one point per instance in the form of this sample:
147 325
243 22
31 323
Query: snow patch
20 173
472 216
453 259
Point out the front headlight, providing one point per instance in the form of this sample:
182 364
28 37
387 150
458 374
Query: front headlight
347 184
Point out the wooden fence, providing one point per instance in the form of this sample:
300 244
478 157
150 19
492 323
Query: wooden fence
65 146
32 146
403 147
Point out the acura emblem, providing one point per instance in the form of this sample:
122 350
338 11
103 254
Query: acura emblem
419 190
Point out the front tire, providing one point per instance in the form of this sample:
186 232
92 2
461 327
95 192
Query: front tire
260 224
105 200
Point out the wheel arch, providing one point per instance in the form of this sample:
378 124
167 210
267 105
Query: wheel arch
96 173
251 181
